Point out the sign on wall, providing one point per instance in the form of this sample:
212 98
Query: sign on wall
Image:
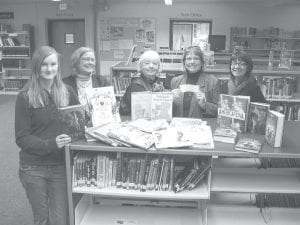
118 35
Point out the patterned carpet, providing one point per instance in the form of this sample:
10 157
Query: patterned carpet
14 207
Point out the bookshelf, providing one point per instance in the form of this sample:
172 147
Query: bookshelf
16 48
207 204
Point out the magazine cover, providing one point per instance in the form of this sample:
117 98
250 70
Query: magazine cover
257 117
102 105
233 112
73 121
274 128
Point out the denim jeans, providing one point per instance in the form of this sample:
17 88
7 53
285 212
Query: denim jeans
46 190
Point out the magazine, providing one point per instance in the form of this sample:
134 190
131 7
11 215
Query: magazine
149 125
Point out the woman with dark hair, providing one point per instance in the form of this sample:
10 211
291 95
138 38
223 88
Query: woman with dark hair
83 76
204 101
38 133
241 80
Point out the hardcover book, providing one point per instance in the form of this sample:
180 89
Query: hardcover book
274 128
72 120
151 105
225 135
247 144
257 117
233 112
102 105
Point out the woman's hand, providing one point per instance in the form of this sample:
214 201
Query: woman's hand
62 140
176 94
200 96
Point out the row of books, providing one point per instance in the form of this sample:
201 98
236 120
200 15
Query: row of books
121 84
290 110
9 41
278 87
137 172
277 200
270 31
14 84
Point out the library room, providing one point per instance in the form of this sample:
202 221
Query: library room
147 112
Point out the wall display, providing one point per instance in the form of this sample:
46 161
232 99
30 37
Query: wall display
118 35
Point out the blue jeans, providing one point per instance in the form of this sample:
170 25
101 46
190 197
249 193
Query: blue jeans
46 190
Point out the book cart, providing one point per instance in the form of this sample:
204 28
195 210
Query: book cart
94 205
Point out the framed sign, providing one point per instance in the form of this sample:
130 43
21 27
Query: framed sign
69 39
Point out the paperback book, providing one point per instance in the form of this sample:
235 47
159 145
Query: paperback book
274 128
132 136
102 105
170 138
233 112
194 130
149 125
247 144
257 117
72 120
151 105
225 135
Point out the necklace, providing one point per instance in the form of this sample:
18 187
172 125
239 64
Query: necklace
84 84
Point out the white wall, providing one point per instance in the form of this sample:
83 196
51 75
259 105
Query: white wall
223 16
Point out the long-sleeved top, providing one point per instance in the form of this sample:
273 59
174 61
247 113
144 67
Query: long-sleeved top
137 85
97 81
209 85
36 130
247 88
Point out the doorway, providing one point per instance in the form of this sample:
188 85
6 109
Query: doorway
65 36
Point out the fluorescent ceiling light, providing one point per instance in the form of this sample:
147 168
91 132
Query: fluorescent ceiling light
56 0
168 2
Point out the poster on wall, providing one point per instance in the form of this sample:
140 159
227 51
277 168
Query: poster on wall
118 35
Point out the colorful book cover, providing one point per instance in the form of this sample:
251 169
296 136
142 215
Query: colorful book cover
248 144
102 105
233 112
151 105
274 128
257 117
72 120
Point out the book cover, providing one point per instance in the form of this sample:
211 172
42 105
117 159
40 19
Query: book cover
274 128
285 60
102 105
225 135
194 130
72 120
170 138
248 144
233 112
257 117
151 105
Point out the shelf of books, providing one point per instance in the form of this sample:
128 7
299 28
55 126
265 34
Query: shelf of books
16 48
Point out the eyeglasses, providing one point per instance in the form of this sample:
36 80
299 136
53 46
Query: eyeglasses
189 59
240 64
86 59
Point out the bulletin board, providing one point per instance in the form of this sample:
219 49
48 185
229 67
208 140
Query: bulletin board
118 35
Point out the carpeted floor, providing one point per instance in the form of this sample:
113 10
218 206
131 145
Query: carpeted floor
14 206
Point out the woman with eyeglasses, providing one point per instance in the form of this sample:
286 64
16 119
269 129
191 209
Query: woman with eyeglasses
242 82
202 99
83 75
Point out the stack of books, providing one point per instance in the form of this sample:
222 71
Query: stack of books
248 144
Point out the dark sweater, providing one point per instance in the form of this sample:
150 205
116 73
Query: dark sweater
36 130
